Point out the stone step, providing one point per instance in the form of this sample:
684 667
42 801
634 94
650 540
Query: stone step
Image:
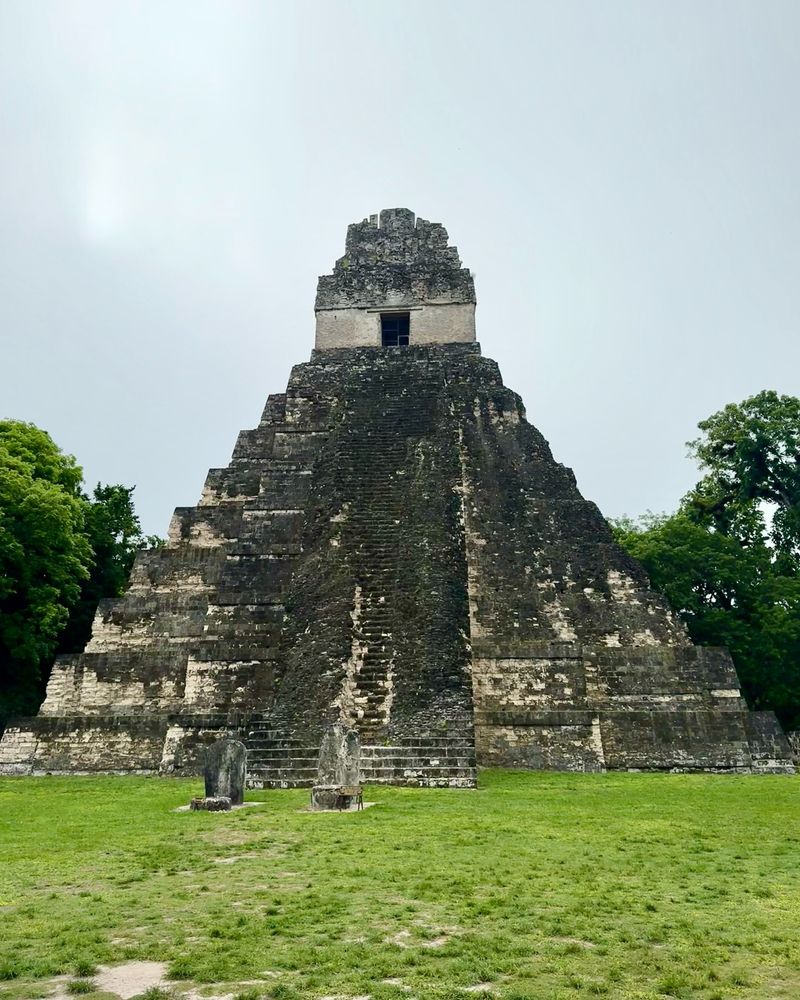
257 736
306 757
255 781
404 770
424 753
284 773
265 731
423 781
418 763
434 739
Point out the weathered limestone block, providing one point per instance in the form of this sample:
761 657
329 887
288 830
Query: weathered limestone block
188 737
769 746
18 750
686 740
324 797
554 741
88 744
221 685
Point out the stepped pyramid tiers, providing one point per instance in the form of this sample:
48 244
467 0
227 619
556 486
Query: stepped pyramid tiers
393 548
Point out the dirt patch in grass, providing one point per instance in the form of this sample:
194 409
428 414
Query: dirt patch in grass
406 939
131 978
120 981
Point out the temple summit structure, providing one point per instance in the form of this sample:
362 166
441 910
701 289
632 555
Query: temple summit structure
393 548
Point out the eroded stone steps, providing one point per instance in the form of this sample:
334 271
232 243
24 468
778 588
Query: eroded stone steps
407 769
430 758
372 455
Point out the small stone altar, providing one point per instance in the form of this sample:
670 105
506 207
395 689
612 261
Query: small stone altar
338 772
211 803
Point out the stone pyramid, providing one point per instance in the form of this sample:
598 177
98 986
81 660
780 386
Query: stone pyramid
393 547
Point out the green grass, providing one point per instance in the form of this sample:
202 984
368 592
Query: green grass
548 886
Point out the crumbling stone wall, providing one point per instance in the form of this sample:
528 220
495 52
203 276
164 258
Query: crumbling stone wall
395 261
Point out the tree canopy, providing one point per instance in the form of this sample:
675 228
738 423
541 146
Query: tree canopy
751 454
44 554
61 552
115 536
729 559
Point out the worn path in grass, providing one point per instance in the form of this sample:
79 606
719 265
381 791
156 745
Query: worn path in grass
543 886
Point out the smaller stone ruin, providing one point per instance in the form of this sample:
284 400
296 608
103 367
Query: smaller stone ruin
339 770
224 773
220 803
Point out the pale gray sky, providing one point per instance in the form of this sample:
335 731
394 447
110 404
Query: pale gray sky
622 177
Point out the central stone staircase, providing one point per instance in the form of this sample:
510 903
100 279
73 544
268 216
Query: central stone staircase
372 452
372 448
276 760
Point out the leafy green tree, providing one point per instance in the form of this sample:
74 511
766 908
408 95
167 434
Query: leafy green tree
115 536
45 556
729 559
751 454
61 552
729 594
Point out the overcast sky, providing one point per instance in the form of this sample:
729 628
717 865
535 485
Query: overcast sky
622 177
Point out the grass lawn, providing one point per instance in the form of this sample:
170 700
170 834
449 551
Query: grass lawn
537 885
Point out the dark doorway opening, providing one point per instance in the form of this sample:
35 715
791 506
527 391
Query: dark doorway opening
394 329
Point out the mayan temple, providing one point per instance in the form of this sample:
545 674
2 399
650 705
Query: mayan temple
394 547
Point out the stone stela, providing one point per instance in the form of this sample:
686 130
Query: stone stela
338 784
225 770
393 546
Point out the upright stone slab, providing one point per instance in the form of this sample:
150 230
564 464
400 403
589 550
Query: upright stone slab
329 767
338 768
351 759
225 771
